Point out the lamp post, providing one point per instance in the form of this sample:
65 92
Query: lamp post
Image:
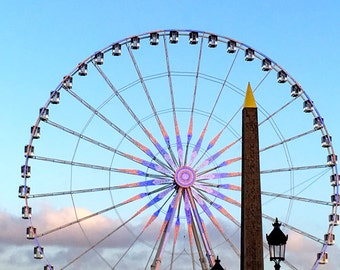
277 244
217 265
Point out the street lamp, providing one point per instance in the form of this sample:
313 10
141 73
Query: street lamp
277 244
217 265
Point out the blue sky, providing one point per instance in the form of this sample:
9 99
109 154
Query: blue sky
43 41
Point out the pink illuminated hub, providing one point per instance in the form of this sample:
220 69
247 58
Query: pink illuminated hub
185 176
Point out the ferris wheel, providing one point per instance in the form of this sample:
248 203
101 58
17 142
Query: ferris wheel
135 159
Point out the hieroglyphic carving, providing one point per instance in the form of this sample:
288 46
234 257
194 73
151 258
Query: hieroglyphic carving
251 213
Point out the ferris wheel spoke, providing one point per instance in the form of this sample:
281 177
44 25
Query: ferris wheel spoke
200 140
134 142
213 219
165 229
301 232
155 113
147 183
192 233
217 176
216 155
160 149
295 198
287 140
191 119
172 95
300 168
176 230
226 126
156 199
271 116
221 209
144 162
217 194
142 147
201 228
99 167
223 164
224 186
149 222
127 201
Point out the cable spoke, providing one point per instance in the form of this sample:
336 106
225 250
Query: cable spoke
153 182
141 146
287 140
165 230
99 167
217 194
200 140
300 168
202 229
79 220
213 219
172 95
144 162
215 156
159 122
312 237
191 123
296 198
160 149
156 199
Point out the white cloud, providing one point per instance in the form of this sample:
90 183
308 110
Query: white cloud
66 244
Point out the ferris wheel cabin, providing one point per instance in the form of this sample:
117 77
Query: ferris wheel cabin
26 212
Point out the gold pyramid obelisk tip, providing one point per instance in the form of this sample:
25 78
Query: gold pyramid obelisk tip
249 101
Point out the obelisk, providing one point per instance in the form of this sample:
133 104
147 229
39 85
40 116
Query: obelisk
251 213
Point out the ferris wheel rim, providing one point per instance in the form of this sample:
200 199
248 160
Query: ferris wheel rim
221 39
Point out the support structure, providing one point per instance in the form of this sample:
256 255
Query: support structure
251 213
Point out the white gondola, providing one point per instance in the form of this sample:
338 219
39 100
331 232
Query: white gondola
154 39
26 212
326 141
173 37
266 64
318 123
295 90
308 106
335 179
99 58
82 69
231 46
329 239
116 49
31 232
193 37
29 151
335 199
212 41
35 132
333 219
282 77
38 252
249 54
331 160
25 171
67 82
24 191
48 267
323 258
135 43
55 97
43 114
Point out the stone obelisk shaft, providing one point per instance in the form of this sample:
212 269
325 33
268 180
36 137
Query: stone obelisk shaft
251 213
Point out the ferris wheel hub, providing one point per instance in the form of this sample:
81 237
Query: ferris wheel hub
185 176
